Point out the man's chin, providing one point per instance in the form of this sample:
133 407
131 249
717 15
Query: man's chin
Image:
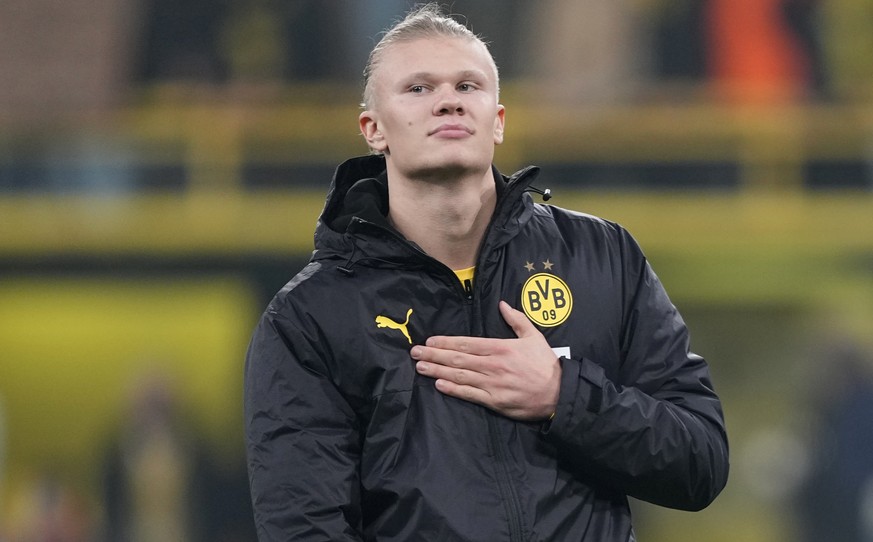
449 168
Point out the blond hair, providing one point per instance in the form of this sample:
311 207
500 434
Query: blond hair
425 21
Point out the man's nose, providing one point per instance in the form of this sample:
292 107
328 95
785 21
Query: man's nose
448 102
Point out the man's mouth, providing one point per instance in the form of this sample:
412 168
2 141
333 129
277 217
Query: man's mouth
451 131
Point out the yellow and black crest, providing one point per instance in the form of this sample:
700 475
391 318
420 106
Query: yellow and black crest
546 299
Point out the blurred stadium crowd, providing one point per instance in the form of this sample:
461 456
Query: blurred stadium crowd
162 163
90 86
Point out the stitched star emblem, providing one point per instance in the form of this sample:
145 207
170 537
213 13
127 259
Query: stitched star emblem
529 266
547 265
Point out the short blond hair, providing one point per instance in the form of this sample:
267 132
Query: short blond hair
424 21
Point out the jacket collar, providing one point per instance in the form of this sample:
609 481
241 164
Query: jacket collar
358 199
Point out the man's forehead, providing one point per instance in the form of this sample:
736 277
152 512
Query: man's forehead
423 57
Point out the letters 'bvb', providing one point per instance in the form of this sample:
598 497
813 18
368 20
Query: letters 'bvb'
546 299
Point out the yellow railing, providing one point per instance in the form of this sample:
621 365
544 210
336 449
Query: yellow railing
212 140
769 146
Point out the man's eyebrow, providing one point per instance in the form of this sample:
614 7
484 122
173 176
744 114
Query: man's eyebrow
472 74
464 74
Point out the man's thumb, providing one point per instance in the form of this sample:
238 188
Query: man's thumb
516 320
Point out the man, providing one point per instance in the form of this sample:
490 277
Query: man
386 401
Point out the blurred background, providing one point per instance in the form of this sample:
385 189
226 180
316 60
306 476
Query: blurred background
163 162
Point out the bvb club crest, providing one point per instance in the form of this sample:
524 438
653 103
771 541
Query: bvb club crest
546 299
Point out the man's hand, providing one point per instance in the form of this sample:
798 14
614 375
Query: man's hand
519 378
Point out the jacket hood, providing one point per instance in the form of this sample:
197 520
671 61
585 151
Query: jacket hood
357 206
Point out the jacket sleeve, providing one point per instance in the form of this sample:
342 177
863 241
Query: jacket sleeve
656 430
301 440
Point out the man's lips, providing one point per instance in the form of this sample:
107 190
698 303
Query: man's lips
451 130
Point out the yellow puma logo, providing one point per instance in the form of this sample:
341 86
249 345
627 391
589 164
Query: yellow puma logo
384 321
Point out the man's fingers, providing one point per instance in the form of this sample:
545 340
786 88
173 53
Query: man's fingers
442 356
451 374
445 346
457 344
467 393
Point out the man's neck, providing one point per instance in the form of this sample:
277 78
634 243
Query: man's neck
446 218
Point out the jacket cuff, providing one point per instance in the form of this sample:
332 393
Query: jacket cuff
580 396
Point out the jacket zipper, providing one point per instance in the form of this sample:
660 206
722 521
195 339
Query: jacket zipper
505 486
504 482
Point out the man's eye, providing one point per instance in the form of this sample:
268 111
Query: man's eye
466 87
418 89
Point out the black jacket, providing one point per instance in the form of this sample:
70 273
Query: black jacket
346 441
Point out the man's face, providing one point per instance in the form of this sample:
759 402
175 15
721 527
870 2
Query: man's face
434 109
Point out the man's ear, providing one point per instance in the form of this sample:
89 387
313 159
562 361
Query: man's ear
499 123
370 129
